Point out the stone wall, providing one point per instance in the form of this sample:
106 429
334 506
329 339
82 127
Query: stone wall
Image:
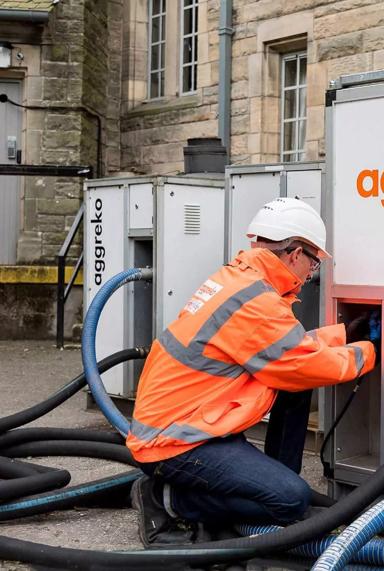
73 72
340 37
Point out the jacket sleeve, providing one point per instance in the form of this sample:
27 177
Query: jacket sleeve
294 360
332 335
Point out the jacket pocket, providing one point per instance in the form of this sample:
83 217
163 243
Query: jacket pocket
211 413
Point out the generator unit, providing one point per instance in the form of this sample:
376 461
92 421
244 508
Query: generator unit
248 188
174 225
355 279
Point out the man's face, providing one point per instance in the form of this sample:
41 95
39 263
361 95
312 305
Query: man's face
303 261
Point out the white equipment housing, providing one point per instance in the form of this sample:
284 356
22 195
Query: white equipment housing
248 188
174 225
355 280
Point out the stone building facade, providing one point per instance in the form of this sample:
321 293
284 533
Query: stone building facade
122 84
66 64
337 37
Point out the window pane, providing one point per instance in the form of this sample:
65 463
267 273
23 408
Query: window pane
187 79
302 102
289 136
301 157
155 57
303 71
154 84
188 21
289 157
290 104
196 19
302 132
161 84
155 30
156 6
163 28
187 52
164 5
290 72
162 56
189 46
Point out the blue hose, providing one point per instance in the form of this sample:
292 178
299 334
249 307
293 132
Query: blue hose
370 554
88 350
344 548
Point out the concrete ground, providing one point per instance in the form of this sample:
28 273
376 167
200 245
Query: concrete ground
30 371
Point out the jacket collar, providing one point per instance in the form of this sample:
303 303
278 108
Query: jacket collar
273 270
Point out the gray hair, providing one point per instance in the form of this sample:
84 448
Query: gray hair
278 247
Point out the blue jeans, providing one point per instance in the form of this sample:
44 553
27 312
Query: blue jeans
228 479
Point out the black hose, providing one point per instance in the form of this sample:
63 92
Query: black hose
101 450
321 500
328 471
23 435
14 469
105 491
36 411
200 554
26 485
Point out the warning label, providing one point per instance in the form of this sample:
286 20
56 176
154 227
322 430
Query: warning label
208 290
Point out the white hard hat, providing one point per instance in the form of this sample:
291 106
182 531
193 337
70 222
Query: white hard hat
290 218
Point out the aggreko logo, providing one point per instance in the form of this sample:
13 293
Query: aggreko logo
370 183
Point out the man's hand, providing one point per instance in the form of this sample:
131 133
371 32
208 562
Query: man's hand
358 329
366 327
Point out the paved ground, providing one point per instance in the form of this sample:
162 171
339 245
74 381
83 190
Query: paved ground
29 372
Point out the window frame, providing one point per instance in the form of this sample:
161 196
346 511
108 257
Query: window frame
296 154
160 71
194 7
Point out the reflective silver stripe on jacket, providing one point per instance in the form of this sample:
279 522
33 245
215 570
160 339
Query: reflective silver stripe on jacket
184 432
359 357
276 350
192 355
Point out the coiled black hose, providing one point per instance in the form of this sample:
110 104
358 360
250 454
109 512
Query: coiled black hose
26 479
102 450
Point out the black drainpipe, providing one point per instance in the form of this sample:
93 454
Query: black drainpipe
32 16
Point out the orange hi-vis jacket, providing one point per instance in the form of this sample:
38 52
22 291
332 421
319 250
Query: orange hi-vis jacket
217 368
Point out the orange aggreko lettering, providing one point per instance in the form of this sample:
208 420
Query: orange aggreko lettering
373 175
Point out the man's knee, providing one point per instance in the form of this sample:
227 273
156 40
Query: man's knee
293 502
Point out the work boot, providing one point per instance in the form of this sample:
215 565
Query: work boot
156 527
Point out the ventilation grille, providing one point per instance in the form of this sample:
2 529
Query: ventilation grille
192 218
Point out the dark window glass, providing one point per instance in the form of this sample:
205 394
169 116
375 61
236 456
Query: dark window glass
290 72
187 78
155 57
154 85
188 21
155 30
156 6
303 71
187 53
289 136
290 104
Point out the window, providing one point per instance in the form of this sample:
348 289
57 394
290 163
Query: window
293 107
189 20
157 22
